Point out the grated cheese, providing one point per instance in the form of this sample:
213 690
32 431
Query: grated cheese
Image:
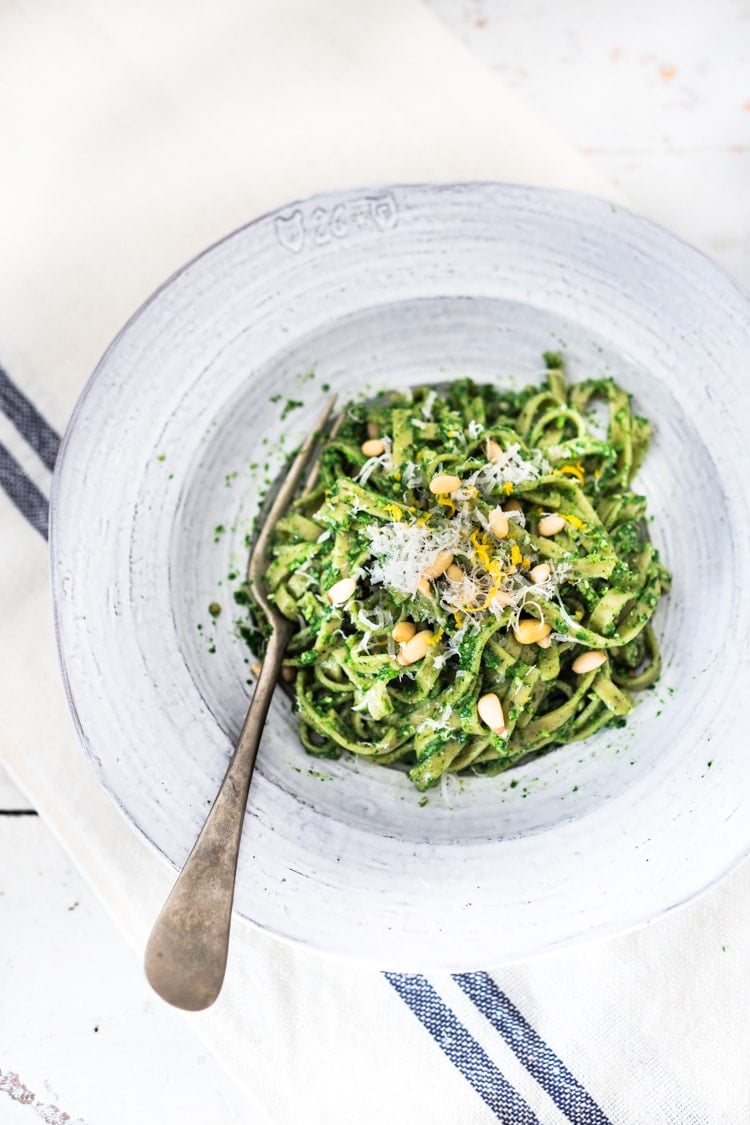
410 475
428 404
509 468
403 551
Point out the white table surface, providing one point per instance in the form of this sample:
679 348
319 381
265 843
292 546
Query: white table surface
658 97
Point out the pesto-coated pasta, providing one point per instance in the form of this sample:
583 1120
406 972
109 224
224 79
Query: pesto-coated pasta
497 535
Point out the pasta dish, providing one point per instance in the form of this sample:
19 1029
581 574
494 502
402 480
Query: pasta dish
471 578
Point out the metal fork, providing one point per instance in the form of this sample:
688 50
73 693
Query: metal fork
186 954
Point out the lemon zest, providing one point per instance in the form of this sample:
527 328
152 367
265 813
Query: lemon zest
481 549
488 600
574 471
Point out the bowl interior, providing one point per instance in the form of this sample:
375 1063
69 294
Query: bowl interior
400 345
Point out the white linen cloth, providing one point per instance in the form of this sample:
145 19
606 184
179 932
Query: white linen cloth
134 135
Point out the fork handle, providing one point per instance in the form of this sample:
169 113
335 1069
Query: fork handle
186 954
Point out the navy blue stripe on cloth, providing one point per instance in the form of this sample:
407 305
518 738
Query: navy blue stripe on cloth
23 492
539 1059
28 421
463 1050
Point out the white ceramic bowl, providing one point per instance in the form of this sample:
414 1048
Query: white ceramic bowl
388 287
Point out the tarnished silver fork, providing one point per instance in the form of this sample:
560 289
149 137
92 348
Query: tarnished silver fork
186 953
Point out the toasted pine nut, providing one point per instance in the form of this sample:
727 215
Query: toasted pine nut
255 667
494 452
529 631
513 506
455 573
415 649
403 631
341 591
491 713
540 573
444 483
424 587
443 560
288 675
373 430
502 597
550 525
587 661
545 642
498 523
373 447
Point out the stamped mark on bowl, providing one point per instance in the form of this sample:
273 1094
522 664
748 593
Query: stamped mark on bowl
321 225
